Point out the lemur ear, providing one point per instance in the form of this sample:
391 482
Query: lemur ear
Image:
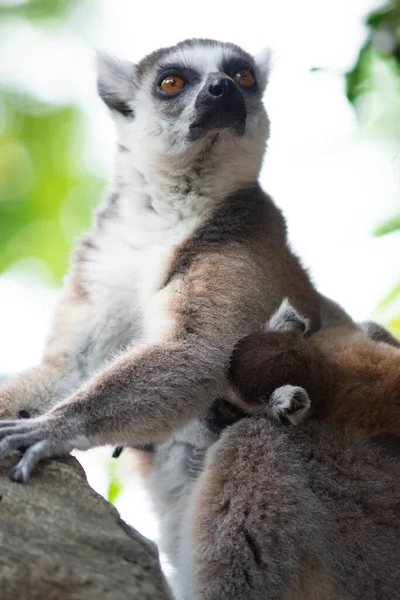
263 63
115 83
286 318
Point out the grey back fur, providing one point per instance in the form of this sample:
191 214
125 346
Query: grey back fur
284 513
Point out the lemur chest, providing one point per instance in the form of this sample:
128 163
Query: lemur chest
130 263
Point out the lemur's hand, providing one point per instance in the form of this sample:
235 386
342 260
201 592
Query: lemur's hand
289 403
39 438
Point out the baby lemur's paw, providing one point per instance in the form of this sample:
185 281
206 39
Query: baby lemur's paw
289 403
286 318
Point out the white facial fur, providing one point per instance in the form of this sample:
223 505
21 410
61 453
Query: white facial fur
156 137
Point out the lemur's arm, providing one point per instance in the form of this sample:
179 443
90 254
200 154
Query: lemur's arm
149 391
62 368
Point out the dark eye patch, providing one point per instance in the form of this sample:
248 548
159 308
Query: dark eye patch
189 76
234 64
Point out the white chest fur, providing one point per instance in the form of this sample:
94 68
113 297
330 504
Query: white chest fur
132 258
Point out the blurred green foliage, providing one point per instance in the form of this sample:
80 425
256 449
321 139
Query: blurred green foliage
382 44
388 226
391 299
373 87
45 198
115 484
46 194
39 9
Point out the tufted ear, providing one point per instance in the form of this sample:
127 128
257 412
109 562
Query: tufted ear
286 318
116 83
263 63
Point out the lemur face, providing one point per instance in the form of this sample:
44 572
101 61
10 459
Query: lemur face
188 98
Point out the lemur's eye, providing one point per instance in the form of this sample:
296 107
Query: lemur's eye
172 84
245 78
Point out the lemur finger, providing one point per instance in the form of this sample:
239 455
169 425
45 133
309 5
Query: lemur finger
34 454
22 429
13 442
9 423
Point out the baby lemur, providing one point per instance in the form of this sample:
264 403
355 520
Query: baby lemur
350 379
266 517
187 257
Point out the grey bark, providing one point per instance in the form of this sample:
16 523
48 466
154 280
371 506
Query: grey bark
60 540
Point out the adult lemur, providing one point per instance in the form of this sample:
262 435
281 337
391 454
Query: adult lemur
188 256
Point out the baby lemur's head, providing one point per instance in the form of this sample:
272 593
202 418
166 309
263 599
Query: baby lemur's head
350 373
199 101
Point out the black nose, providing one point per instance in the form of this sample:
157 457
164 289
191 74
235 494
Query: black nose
220 103
222 87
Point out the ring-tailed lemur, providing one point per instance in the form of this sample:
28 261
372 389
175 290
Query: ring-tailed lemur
187 256
213 517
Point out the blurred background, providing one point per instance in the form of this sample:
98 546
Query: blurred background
333 163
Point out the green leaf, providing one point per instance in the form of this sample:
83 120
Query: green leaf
390 298
394 326
358 80
46 196
377 17
382 24
39 9
115 485
389 226
114 490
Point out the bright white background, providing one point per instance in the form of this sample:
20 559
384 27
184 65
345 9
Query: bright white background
334 182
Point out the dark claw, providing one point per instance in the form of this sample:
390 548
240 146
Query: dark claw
117 451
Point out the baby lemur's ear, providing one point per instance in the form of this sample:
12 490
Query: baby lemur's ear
286 318
263 63
116 83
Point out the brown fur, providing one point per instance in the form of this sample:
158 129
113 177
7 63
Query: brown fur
351 380
220 285
296 513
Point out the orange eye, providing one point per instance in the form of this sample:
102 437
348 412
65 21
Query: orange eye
245 78
172 84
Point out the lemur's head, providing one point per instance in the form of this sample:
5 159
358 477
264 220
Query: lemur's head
190 100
